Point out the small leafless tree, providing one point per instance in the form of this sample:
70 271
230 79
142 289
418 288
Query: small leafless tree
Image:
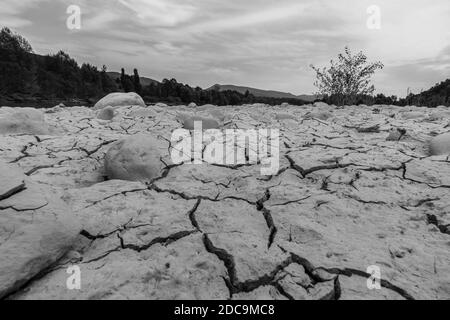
347 78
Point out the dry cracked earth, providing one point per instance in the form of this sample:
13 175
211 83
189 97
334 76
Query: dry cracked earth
356 188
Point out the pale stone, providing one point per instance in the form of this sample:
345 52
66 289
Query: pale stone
440 145
119 99
136 158
106 114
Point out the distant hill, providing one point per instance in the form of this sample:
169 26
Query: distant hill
437 95
263 93
29 79
144 81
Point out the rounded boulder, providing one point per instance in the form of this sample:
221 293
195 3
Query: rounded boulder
440 145
136 158
120 99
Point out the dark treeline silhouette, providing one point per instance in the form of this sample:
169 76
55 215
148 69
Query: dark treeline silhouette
38 80
173 92
25 75
436 96
439 95
360 100
28 76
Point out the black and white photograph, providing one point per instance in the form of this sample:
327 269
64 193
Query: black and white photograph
226 157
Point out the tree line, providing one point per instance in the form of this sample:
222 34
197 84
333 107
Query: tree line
173 92
52 76
58 76
439 95
348 81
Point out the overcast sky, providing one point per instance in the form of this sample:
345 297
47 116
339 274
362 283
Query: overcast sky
267 44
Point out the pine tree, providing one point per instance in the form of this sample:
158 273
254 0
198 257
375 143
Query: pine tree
137 82
122 79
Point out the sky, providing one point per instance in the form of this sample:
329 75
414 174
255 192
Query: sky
267 44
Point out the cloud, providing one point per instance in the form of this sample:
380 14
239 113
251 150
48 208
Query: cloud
166 13
266 43
13 22
100 21
256 17
15 7
11 10
416 76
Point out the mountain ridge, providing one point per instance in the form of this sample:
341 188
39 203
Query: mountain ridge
145 81
263 93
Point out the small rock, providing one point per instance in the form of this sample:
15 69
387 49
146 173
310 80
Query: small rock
56 109
188 121
74 256
284 116
106 114
321 105
370 129
320 115
396 134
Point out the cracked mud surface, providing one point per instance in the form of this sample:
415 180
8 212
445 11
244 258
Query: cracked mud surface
345 198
